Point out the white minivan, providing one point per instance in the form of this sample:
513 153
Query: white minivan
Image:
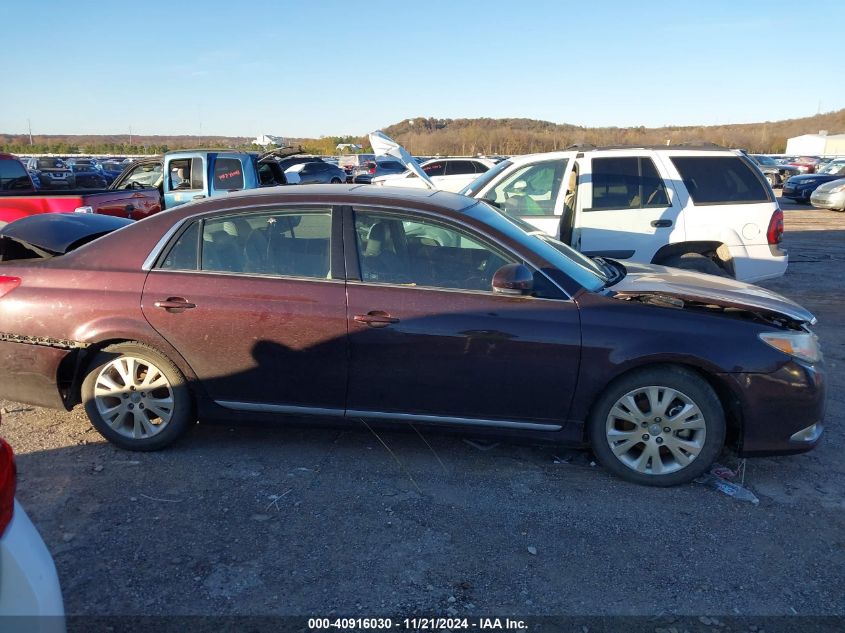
704 208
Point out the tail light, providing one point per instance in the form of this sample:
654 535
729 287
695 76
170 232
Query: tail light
7 284
372 169
7 485
775 232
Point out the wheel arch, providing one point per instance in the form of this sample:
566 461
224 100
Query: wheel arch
714 249
71 371
727 398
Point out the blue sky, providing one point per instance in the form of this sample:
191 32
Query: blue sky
326 67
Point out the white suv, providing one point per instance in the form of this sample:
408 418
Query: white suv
449 174
707 209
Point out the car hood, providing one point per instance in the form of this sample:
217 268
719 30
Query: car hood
833 184
811 179
649 279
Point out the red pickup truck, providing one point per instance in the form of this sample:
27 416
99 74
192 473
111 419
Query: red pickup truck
19 198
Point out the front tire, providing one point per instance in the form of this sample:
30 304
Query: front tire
660 426
136 397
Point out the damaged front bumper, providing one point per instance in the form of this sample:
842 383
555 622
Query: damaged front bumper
782 412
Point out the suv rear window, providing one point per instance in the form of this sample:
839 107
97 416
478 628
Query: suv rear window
720 180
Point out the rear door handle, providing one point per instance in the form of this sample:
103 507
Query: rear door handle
376 318
661 224
175 304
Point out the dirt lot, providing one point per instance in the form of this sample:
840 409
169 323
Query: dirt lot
300 521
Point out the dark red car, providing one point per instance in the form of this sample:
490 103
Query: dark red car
402 306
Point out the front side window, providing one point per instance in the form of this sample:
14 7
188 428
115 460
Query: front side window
720 180
402 250
228 174
146 175
627 182
283 243
530 190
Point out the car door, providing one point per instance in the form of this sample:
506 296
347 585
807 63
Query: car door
532 190
254 303
627 207
184 179
430 341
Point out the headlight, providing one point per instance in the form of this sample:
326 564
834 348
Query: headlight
801 345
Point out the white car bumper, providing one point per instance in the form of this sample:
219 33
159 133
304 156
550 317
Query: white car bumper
758 262
30 596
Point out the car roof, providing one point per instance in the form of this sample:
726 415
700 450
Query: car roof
343 194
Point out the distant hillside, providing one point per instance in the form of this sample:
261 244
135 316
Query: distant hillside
425 136
428 136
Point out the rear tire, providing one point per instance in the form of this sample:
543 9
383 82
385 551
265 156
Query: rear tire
697 262
335 181
136 397
628 426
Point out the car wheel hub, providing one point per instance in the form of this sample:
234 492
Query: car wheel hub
675 424
133 397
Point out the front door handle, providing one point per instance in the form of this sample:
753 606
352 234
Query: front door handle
175 304
661 224
376 318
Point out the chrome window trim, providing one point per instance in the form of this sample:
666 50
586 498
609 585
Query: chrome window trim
483 293
249 275
150 261
385 415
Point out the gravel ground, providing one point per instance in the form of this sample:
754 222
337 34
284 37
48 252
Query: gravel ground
297 521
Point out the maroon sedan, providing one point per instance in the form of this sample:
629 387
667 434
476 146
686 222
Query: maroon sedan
399 306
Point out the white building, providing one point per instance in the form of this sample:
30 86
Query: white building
821 144
267 139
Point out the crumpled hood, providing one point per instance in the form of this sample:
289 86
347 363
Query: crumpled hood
649 279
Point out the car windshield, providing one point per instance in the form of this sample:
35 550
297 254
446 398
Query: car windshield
833 168
765 160
479 183
50 163
582 269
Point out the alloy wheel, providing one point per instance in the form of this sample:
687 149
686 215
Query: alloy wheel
655 430
133 397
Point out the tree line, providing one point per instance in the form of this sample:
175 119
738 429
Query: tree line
426 136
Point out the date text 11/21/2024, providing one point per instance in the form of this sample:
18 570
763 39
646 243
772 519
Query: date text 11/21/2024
417 624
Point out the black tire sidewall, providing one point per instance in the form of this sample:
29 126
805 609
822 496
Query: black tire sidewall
183 414
681 379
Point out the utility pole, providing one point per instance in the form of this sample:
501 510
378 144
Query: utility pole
29 126
130 136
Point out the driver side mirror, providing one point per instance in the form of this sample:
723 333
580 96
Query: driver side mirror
513 279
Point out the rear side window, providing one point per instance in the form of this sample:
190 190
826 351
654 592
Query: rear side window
720 180
627 182
183 254
459 167
186 173
13 176
228 174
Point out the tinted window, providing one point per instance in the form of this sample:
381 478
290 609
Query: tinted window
13 176
228 174
458 167
480 168
530 190
397 250
484 179
627 182
720 180
435 169
49 163
277 243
